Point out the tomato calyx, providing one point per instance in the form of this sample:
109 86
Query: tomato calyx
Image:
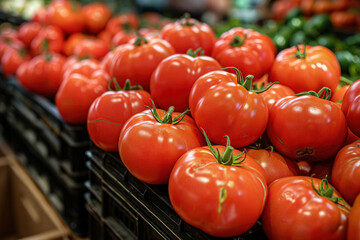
324 93
167 119
195 53
127 86
22 52
186 20
345 81
227 158
238 41
299 54
140 40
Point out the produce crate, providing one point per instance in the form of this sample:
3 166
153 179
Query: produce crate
140 210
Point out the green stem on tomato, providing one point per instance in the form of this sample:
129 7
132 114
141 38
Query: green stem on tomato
324 93
187 22
167 119
140 40
301 55
193 53
237 41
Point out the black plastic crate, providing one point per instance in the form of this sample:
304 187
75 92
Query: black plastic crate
95 224
148 206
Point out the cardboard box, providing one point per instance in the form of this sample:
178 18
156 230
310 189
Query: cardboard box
25 213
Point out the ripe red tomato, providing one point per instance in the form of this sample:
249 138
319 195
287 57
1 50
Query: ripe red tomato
184 70
6 43
28 31
42 74
187 33
109 112
302 207
66 15
122 37
82 84
12 59
354 221
339 93
49 38
162 139
351 107
96 15
40 16
91 47
71 42
301 70
276 92
249 51
124 21
346 171
322 169
106 37
221 105
275 165
137 61
225 190
306 127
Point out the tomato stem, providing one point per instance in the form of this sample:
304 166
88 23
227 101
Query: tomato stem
186 20
299 54
345 81
167 119
238 41
140 40
193 53
324 93
325 190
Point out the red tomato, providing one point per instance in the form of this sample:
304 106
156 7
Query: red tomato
346 171
109 112
82 84
66 15
221 105
247 50
354 221
306 127
351 107
49 38
301 207
322 169
162 139
96 15
42 74
41 15
71 42
122 37
125 21
301 70
184 70
225 190
339 93
275 165
351 137
12 59
187 33
28 31
89 47
6 43
137 61
106 37
276 92
304 167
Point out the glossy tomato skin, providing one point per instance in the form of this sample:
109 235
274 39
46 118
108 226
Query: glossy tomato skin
124 21
354 221
339 93
306 127
82 84
93 48
109 112
275 165
149 149
6 43
222 107
28 31
204 179
276 92
295 211
137 63
71 42
318 69
254 56
194 35
346 171
12 59
184 71
96 15
43 74
351 107
53 35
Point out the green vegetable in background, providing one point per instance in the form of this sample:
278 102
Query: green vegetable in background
317 25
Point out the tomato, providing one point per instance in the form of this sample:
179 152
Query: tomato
109 112
12 59
82 84
42 74
187 33
307 127
106 37
160 136
351 137
322 169
185 69
49 38
96 15
124 21
354 221
6 43
275 165
276 92
304 167
345 18
137 61
40 16
221 105
339 93
346 171
122 37
91 47
222 191
305 70
28 31
66 15
71 42
351 107
302 207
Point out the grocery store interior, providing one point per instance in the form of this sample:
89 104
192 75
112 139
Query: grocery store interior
179 119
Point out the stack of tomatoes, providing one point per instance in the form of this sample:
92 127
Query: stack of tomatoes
238 131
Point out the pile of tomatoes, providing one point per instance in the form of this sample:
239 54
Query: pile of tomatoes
238 131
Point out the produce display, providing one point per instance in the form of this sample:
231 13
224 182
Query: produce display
241 124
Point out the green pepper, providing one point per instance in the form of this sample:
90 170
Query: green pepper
318 25
346 59
296 22
282 38
299 37
353 40
328 40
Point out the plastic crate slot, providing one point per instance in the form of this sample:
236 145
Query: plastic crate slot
118 233
95 225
